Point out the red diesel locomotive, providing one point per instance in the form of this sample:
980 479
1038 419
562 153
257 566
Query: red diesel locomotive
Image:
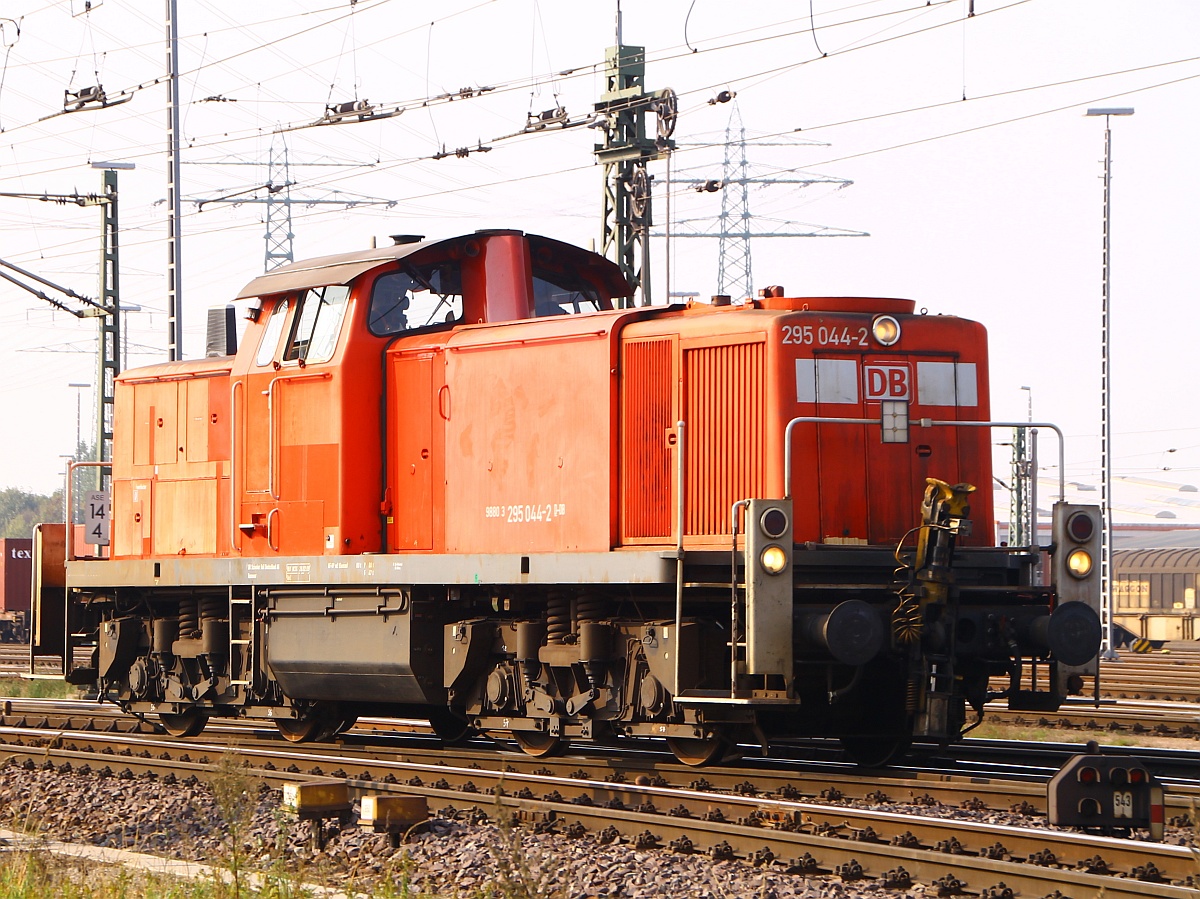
453 480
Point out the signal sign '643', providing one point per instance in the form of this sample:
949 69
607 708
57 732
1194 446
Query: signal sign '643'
885 381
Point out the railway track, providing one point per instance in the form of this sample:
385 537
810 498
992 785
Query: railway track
942 829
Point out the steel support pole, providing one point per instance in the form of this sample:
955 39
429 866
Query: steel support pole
1105 414
174 224
1106 523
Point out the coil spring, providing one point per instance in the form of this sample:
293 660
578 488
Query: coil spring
910 697
906 619
558 619
189 618
589 608
212 607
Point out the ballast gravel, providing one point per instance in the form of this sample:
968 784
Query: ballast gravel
457 855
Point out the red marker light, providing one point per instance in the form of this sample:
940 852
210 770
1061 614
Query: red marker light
1088 775
1080 527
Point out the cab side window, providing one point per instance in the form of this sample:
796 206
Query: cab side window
562 293
270 338
417 296
318 324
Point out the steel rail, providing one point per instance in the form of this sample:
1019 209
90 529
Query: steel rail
813 839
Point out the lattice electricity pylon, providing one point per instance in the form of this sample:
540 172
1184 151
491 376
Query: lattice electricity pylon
1019 531
279 214
733 226
625 233
278 201
735 272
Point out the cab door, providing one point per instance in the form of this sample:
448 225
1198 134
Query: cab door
288 409
411 449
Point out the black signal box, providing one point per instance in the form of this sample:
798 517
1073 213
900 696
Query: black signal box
1106 792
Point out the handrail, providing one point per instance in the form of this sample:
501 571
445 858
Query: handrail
233 463
269 393
1062 452
680 489
923 423
70 525
733 601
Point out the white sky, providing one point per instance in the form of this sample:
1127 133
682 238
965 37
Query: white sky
988 208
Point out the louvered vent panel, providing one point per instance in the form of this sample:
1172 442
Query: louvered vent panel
725 418
645 458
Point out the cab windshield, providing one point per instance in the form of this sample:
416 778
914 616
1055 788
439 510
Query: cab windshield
416 296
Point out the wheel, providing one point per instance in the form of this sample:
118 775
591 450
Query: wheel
537 744
875 750
185 724
334 724
449 727
301 730
700 751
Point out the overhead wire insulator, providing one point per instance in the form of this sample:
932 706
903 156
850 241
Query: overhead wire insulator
461 152
92 97
537 121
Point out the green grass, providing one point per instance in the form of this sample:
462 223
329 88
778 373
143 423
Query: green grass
24 688
239 871
39 875
993 730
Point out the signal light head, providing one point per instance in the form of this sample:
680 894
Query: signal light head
774 523
1079 563
1089 775
1080 527
886 330
773 559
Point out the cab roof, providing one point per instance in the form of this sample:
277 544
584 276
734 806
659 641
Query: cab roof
343 268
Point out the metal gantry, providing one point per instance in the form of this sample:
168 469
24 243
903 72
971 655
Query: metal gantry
625 231
108 356
106 310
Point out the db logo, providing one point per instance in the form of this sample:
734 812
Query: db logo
885 382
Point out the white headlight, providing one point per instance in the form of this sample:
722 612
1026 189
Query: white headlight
886 330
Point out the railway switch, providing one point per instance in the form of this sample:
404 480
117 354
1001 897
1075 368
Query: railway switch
1106 792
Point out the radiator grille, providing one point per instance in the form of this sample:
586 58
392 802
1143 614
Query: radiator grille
725 415
646 505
